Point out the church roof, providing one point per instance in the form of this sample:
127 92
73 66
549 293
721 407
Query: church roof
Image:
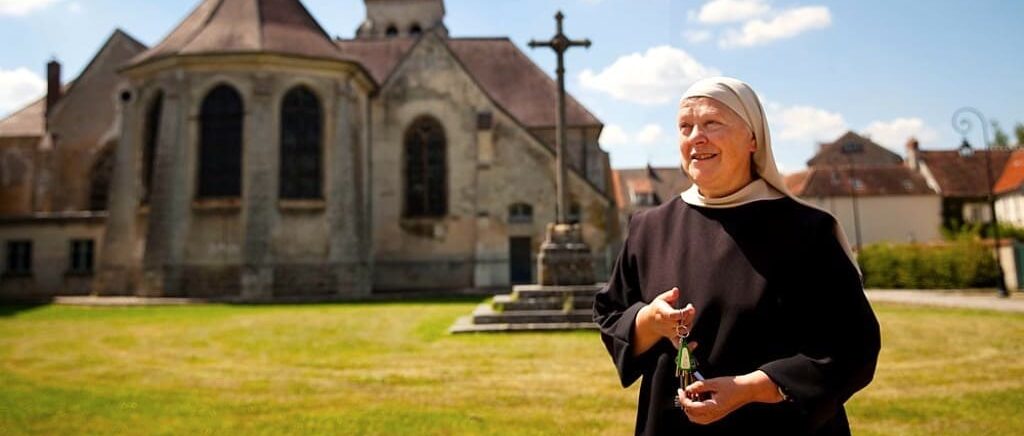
504 72
246 26
27 122
516 83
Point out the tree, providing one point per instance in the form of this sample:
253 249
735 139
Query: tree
1001 139
1018 131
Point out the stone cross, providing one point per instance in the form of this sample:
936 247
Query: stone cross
560 43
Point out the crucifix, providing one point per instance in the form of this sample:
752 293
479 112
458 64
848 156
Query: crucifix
560 44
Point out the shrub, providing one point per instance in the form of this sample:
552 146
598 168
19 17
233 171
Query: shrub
965 263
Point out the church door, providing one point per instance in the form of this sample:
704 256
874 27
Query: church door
520 262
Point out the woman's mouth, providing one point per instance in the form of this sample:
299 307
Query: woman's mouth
703 156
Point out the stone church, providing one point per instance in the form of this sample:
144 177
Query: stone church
250 154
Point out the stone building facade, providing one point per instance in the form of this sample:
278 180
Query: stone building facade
251 155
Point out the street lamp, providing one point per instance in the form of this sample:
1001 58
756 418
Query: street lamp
962 124
850 149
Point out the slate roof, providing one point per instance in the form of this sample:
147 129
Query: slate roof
246 26
831 153
959 176
838 181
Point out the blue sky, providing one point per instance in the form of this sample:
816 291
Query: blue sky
889 69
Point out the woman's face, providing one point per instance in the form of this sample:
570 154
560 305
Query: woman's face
715 145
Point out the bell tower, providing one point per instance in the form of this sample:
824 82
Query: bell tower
401 18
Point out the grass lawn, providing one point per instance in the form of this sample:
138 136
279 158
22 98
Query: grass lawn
387 368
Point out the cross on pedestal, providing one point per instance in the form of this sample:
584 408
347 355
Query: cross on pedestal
564 258
560 44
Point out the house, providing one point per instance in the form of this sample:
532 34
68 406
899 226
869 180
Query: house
868 189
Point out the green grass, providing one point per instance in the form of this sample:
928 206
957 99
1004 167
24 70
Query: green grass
391 368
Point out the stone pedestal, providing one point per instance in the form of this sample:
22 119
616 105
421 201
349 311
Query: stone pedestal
564 258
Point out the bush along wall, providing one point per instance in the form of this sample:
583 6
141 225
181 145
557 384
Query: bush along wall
961 264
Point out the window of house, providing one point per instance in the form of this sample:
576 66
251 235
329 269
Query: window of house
19 258
220 144
81 256
415 29
645 199
301 139
425 169
152 135
392 31
520 213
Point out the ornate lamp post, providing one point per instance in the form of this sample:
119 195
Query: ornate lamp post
962 124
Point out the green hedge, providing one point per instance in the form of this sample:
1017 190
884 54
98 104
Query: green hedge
961 264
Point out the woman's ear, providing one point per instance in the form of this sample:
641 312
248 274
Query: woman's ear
753 143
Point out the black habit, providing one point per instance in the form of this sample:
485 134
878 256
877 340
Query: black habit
774 290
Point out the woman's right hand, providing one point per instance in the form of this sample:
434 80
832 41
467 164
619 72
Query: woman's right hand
660 319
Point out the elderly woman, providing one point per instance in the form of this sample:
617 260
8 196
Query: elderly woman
763 284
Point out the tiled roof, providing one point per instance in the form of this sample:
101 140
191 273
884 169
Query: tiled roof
379 56
26 122
665 183
246 26
840 181
516 83
1012 177
504 72
869 153
960 176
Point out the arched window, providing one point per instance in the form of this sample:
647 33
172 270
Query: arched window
152 136
426 185
392 31
520 213
301 138
415 29
220 144
99 178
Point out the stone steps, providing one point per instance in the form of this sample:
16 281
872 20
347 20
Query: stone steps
511 302
533 308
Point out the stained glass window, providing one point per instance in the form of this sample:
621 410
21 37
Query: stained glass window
301 138
220 144
426 170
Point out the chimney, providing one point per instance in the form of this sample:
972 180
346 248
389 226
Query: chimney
912 148
53 86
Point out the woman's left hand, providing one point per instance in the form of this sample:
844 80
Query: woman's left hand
726 394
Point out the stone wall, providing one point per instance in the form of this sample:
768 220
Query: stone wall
51 237
487 172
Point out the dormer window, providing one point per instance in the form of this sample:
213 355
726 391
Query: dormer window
415 30
392 31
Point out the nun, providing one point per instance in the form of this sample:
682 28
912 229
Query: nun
759 285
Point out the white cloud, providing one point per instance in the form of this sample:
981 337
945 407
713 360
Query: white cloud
613 134
894 134
697 36
19 87
657 76
23 7
728 11
787 24
74 7
806 123
650 134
